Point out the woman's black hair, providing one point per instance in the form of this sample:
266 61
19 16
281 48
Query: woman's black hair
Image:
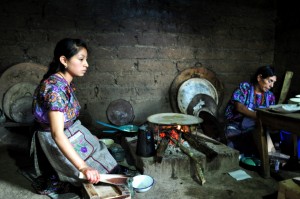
264 71
66 47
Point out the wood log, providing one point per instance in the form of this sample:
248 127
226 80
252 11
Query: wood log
161 148
199 171
200 174
200 145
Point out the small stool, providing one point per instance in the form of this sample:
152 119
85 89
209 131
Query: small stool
288 189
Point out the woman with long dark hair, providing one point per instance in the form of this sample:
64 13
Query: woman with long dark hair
240 112
69 147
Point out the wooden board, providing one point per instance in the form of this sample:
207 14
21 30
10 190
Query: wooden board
285 86
105 192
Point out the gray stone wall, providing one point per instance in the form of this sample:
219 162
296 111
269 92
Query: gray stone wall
138 47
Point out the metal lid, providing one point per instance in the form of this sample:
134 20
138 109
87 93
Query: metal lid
120 112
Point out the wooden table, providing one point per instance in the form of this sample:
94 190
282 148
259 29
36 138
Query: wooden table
277 121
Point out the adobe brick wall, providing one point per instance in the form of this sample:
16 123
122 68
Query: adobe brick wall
137 48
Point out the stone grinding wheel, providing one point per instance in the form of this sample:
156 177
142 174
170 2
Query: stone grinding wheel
17 91
120 112
20 110
23 72
193 72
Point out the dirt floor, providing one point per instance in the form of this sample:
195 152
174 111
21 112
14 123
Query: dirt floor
14 150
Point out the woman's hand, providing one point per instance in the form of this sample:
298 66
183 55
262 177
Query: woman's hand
92 175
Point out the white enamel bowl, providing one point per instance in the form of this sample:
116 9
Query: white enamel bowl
142 183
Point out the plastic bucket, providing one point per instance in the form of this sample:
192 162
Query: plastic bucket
286 144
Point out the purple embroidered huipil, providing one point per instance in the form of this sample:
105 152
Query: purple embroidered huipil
55 94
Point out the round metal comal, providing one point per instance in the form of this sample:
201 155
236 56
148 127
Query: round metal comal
174 119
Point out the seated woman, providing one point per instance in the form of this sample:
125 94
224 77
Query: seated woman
69 147
240 112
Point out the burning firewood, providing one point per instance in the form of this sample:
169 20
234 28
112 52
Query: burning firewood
162 146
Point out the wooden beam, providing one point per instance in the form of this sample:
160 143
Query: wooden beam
286 86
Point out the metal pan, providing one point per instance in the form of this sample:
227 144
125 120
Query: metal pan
201 102
192 87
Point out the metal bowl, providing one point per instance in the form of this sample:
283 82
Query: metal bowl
142 183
